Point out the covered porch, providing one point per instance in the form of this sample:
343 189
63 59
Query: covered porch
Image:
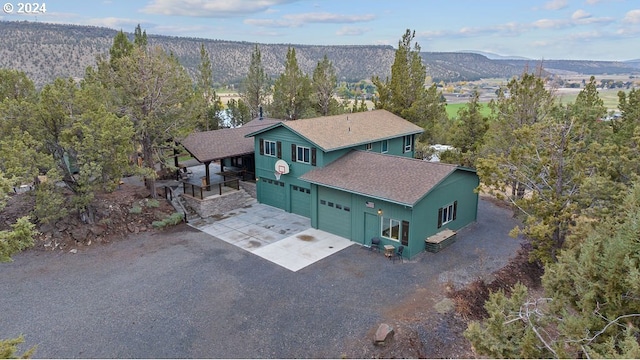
224 154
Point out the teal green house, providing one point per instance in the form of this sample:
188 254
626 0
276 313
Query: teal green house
354 175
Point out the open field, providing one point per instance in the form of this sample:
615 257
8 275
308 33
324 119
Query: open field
452 109
608 96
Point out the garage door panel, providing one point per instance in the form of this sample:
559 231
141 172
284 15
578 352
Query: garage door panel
273 193
301 201
334 212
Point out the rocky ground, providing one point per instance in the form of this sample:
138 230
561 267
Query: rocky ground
125 211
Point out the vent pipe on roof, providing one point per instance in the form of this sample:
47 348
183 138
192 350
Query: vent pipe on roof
260 112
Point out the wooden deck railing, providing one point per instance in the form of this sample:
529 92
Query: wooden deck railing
200 192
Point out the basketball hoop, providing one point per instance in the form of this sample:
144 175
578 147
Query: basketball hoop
277 174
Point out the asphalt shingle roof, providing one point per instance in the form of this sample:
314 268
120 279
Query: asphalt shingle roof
224 143
346 130
399 179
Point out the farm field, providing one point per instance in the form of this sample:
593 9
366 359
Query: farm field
608 96
452 109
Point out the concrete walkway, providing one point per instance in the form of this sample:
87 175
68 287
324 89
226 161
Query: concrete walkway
283 238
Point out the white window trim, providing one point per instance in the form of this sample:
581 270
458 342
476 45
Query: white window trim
408 146
267 148
382 146
301 159
390 221
447 212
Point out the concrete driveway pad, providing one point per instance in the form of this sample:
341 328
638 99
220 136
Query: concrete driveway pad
283 238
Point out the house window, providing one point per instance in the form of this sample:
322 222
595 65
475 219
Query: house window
269 148
447 214
390 229
384 146
368 147
303 154
408 143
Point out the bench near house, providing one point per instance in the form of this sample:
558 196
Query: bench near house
354 175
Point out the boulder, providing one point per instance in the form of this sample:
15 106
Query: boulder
383 335
79 233
46 228
62 225
98 229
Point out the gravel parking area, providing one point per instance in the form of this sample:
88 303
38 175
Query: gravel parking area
186 294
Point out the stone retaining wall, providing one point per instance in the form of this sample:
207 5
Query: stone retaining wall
250 188
217 205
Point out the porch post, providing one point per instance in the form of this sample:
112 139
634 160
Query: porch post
206 170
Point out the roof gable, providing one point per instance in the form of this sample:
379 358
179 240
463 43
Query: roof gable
393 178
347 130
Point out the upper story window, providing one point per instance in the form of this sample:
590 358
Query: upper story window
368 146
303 154
408 143
384 147
269 148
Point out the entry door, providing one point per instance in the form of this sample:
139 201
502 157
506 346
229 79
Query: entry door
371 227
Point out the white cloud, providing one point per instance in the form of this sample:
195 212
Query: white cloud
297 20
351 31
632 17
555 4
580 14
549 23
210 8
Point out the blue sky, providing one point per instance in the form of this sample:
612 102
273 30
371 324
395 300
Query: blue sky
544 29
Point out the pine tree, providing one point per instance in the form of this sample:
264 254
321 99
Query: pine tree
292 92
255 89
324 83
206 98
408 75
120 48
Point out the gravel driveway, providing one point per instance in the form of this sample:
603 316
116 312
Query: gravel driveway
185 294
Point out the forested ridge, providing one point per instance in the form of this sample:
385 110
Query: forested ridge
46 51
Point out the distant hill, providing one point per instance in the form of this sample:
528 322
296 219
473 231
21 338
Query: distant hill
577 66
492 56
46 51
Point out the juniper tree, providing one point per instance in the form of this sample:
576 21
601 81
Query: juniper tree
590 307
